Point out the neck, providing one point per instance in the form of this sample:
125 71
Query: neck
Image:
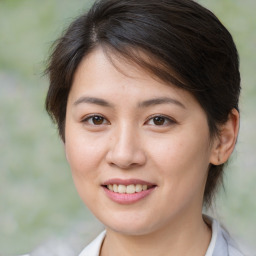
190 237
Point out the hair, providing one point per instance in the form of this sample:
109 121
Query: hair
177 37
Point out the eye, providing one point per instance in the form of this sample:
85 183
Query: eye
160 121
95 120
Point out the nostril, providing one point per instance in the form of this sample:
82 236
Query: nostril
126 153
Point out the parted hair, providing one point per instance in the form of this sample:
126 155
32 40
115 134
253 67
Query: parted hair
178 41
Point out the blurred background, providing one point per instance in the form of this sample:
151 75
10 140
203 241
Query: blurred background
40 211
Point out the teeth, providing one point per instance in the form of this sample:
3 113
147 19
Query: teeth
121 189
130 189
138 188
115 188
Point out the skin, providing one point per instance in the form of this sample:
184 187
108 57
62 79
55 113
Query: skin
125 141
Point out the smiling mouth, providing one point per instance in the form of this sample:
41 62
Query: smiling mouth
129 189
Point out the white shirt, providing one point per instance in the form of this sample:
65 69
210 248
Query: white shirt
221 243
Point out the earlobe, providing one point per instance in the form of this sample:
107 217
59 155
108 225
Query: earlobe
224 144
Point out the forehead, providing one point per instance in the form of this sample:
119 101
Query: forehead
120 80
100 66
128 60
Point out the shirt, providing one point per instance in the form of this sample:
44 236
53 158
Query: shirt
221 243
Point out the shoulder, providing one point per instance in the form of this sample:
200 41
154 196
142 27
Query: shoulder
221 241
233 247
225 242
93 249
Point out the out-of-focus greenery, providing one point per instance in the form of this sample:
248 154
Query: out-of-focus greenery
37 198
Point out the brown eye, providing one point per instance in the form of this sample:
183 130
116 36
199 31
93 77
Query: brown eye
95 120
159 120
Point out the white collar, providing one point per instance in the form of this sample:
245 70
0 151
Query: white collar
93 249
215 230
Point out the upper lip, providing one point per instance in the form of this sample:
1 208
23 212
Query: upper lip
127 182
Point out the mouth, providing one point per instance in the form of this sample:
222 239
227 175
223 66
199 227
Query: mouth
128 189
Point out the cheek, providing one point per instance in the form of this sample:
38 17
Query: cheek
83 153
84 158
181 151
183 162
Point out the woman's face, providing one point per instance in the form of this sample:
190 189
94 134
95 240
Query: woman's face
147 141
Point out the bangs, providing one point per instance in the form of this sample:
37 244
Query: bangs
147 61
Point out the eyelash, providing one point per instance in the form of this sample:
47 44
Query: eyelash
167 120
90 117
164 120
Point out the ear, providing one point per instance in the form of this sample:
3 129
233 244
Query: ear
224 143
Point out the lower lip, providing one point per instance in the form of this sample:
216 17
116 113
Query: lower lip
127 198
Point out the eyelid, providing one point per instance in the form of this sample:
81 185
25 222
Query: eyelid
86 119
169 119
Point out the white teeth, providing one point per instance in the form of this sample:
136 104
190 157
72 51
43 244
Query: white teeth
130 189
138 188
115 188
110 187
121 189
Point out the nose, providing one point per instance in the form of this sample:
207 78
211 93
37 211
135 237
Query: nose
126 149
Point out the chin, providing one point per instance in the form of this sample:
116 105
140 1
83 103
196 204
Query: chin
129 226
130 230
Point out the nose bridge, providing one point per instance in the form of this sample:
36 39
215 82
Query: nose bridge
126 139
126 149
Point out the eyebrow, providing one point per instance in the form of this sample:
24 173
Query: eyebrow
93 100
143 104
162 100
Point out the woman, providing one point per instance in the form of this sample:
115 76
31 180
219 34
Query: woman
145 95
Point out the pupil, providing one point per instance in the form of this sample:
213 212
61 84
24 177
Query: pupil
159 120
97 120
